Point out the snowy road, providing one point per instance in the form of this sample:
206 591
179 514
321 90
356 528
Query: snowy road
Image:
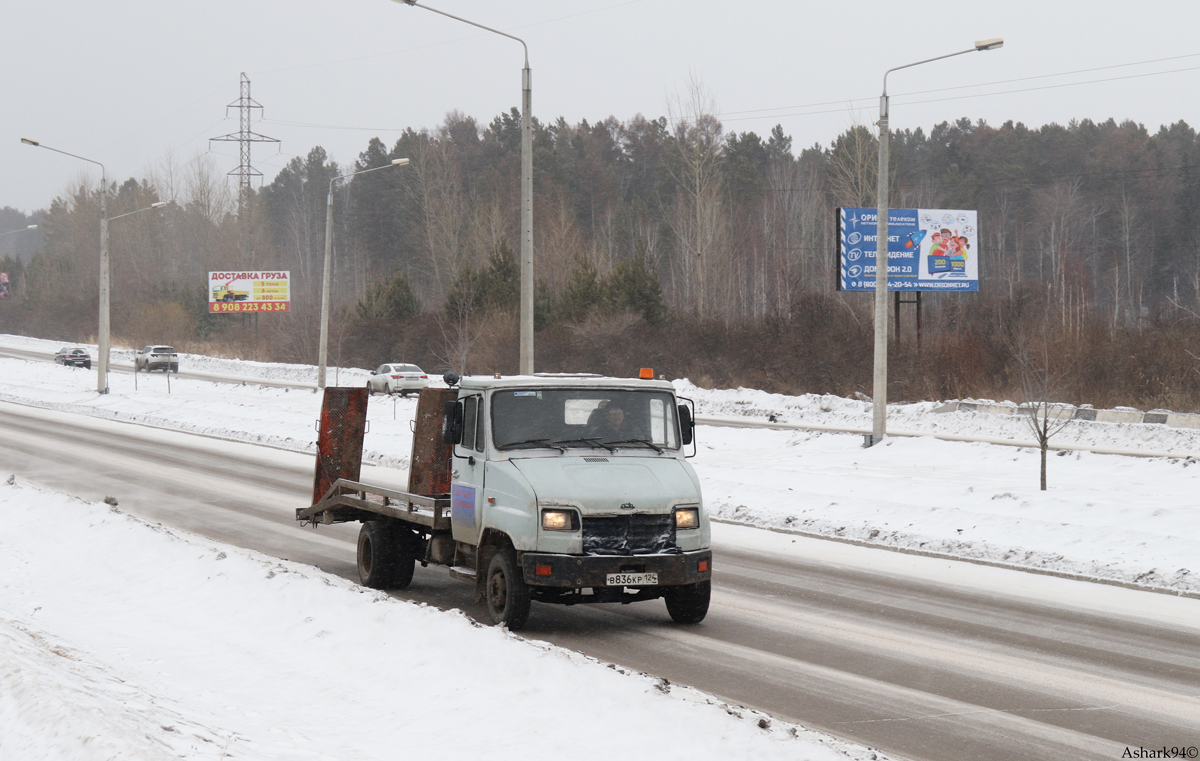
921 657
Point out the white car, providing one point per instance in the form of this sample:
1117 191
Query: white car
156 358
397 379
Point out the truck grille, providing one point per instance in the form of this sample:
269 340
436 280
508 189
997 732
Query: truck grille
629 535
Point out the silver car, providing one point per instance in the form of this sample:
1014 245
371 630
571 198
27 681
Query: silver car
156 358
397 378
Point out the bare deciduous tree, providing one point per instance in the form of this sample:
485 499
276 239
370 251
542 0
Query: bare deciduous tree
460 330
1043 377
696 219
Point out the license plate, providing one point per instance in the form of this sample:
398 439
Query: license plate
632 579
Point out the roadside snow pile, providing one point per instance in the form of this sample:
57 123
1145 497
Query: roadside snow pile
919 417
1125 518
268 415
122 639
243 369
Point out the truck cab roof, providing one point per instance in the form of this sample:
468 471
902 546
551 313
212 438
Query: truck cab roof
561 380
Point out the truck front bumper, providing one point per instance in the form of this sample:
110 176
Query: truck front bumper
543 569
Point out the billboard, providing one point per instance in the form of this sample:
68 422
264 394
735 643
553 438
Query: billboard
3 285
927 250
241 292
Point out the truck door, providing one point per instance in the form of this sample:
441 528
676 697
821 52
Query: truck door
466 489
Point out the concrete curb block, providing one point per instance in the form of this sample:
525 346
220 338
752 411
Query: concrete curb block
1124 415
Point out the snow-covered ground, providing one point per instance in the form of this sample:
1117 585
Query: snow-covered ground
199 363
1122 518
120 639
919 417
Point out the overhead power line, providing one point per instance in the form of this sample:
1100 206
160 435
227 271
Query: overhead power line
874 98
847 104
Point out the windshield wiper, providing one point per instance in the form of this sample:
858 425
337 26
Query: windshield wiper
535 443
648 443
593 441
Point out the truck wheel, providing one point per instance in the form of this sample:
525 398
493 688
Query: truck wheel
507 593
376 555
688 604
404 561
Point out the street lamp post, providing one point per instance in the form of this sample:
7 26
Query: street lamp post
323 353
526 352
102 363
155 205
879 402
26 228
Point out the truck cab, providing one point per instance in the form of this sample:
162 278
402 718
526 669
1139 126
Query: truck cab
583 481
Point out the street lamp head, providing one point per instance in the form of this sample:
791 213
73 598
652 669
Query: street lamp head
399 162
158 205
991 43
29 141
31 227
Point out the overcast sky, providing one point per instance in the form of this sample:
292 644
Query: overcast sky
128 82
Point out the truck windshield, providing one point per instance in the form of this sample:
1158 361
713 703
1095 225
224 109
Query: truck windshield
604 419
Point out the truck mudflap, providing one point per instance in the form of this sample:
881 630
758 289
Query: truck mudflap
579 571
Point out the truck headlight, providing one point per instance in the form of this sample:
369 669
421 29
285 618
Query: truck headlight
558 520
687 517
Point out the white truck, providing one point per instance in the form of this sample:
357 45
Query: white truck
562 489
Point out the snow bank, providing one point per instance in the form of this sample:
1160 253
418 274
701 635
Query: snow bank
123 639
273 371
920 417
1124 518
279 417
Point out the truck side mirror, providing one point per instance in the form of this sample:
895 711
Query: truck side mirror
686 425
452 423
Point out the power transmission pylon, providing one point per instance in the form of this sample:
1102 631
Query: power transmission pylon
244 137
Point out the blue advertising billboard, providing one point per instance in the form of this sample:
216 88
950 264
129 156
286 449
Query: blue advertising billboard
928 249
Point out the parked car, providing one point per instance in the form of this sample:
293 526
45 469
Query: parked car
156 358
397 378
75 357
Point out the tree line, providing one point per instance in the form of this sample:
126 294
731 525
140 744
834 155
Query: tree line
664 237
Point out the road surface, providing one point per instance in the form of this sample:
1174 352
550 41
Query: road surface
919 657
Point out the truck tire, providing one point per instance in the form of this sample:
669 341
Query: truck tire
688 604
376 555
506 592
404 562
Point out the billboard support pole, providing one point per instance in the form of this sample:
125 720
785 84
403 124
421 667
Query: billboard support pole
879 400
896 327
918 322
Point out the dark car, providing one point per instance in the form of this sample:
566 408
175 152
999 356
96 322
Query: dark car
156 358
75 357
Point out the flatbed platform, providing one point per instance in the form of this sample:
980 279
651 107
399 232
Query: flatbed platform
347 501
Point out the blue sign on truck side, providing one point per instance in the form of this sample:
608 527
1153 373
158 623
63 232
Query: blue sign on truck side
927 249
